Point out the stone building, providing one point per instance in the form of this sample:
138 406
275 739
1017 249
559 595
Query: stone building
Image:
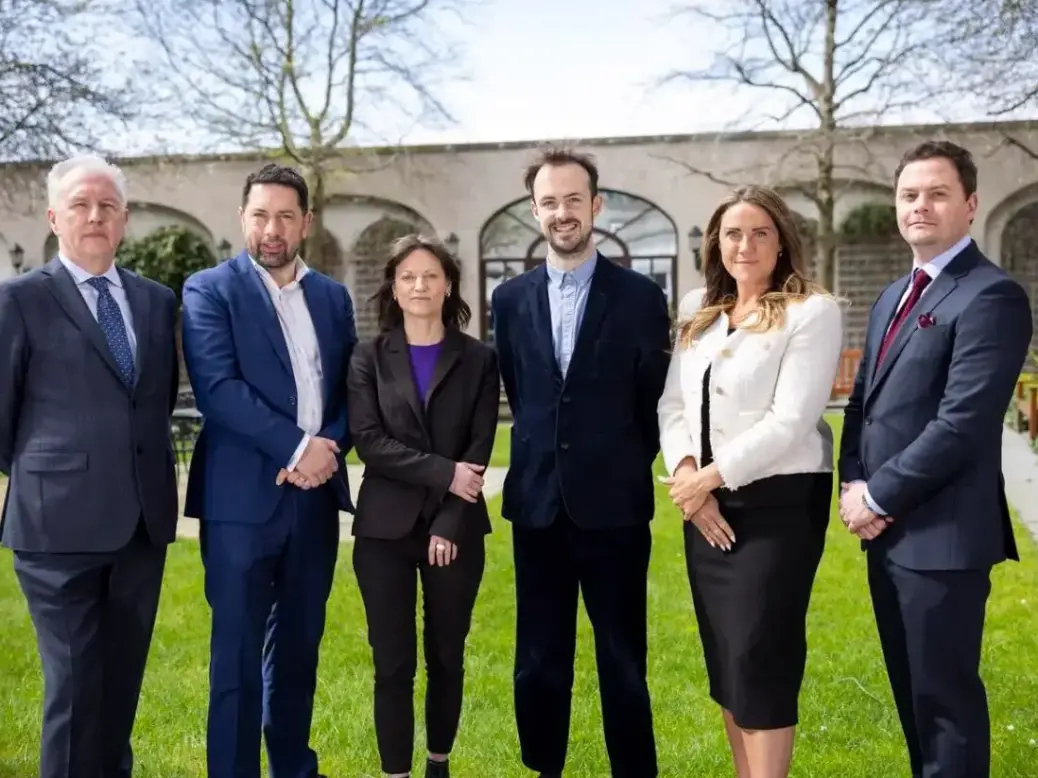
473 194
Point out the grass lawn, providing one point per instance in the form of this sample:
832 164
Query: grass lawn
848 724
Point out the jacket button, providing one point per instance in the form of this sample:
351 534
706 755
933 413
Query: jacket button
292 400
868 420
719 391
726 352
564 446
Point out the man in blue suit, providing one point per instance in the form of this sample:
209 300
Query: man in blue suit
267 343
921 460
583 347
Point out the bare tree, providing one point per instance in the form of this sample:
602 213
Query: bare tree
301 78
837 68
58 89
991 50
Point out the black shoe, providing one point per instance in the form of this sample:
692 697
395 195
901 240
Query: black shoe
434 769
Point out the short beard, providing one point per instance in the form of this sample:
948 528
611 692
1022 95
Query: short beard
275 262
579 248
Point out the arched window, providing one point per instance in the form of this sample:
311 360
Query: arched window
630 231
1020 256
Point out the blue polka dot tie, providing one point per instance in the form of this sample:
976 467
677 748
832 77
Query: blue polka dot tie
111 320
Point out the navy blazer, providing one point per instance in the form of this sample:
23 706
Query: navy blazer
588 441
243 383
924 430
88 456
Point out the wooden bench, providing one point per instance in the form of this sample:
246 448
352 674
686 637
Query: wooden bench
1027 407
844 383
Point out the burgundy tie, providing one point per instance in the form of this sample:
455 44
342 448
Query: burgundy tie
920 280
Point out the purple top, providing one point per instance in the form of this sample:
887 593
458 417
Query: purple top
423 361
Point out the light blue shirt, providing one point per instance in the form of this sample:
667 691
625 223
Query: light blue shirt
89 294
933 268
567 299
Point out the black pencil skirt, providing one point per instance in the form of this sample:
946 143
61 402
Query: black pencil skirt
751 602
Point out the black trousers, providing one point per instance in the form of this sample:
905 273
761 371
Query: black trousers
610 567
94 615
931 627
387 573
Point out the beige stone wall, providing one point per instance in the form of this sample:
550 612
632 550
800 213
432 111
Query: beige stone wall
458 188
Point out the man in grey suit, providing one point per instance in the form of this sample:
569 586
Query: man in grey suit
88 379
921 460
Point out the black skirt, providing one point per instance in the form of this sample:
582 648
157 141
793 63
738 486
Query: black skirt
751 602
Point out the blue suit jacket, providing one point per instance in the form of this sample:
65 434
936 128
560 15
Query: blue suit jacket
587 441
924 429
242 379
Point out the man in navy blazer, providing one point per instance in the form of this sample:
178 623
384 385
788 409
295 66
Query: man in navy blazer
267 343
583 348
921 460
88 380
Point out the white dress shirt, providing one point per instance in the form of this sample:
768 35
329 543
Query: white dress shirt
933 268
768 393
303 351
89 294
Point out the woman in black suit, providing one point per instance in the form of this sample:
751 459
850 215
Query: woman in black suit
423 410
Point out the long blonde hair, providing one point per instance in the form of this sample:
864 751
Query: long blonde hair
789 281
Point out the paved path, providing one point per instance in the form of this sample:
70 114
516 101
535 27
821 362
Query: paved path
495 479
1020 468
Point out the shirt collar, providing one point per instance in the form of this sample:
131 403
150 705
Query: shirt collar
81 276
268 279
934 267
581 274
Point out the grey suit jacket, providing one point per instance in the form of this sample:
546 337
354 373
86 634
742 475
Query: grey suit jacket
87 456
924 429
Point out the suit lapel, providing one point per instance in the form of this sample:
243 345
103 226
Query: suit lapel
63 287
398 358
140 309
261 303
453 343
540 318
324 329
594 312
881 320
945 283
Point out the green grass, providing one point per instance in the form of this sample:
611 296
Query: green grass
848 724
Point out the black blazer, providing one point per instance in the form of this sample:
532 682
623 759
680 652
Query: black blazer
409 448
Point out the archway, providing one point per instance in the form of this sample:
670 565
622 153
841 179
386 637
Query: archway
368 256
1020 255
630 231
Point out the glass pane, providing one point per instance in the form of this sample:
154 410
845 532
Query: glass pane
510 232
650 234
660 270
609 247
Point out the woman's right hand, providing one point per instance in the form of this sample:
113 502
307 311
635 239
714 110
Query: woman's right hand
467 482
711 524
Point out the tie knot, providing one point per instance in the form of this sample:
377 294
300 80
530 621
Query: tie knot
920 279
100 283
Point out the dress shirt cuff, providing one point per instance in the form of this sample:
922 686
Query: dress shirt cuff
299 452
872 504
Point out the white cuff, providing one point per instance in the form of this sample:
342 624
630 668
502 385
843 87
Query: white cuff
299 452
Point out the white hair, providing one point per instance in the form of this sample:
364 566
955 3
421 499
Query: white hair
83 164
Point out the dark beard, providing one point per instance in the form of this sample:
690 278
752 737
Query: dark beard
271 262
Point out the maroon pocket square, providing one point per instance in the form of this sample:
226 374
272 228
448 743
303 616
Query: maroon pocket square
926 320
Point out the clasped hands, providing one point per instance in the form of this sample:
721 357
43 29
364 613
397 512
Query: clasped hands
691 490
317 464
856 514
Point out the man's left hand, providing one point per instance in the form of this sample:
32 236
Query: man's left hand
295 478
856 514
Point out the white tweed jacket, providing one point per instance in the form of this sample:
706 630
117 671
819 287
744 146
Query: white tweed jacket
768 393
